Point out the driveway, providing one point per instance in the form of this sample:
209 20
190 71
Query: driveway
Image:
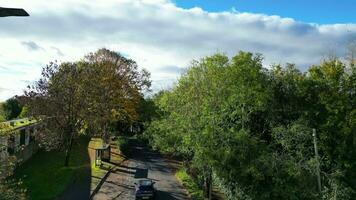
143 164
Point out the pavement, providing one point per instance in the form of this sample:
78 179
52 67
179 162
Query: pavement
143 163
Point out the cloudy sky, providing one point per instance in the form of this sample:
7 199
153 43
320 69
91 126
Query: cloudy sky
163 36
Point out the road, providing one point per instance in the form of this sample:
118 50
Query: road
142 164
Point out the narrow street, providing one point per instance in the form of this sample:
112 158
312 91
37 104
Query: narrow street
143 164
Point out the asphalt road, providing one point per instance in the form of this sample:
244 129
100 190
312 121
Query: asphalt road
143 164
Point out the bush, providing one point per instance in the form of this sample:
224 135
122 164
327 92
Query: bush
190 184
124 145
10 189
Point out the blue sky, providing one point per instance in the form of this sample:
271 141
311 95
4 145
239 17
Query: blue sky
311 11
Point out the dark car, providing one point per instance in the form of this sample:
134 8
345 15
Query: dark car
144 189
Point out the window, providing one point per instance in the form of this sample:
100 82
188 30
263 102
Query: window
32 134
11 145
22 137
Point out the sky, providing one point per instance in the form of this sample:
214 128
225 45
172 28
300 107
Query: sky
164 36
310 11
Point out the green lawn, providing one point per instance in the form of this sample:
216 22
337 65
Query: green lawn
45 176
192 187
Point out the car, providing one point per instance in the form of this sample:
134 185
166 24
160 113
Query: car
144 189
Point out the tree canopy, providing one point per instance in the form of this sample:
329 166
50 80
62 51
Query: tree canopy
252 127
84 97
11 108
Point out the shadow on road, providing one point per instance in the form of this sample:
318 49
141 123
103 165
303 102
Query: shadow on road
168 187
142 163
141 173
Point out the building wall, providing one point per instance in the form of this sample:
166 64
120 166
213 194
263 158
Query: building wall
22 147
3 147
27 152
17 141
27 136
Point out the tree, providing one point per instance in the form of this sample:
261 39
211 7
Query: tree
351 54
252 127
114 87
2 113
58 97
12 108
84 97
24 112
209 110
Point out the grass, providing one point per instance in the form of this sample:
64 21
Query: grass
45 176
189 183
96 172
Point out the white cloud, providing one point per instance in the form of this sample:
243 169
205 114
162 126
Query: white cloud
157 34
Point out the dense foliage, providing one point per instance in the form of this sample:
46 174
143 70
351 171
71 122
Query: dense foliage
10 109
251 127
86 96
10 189
2 113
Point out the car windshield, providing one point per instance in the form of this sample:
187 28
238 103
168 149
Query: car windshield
145 185
146 188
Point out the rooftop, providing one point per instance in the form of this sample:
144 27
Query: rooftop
8 126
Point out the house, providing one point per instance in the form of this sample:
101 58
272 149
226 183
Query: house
18 138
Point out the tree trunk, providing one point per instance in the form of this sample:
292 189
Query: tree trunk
206 195
105 136
68 151
208 185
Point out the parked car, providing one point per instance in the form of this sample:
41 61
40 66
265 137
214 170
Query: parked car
144 189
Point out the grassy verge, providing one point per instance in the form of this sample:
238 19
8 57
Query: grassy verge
98 172
45 176
189 183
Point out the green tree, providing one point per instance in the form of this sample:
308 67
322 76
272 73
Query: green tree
2 113
12 108
252 127
206 114
86 96
333 115
24 112
114 87
58 97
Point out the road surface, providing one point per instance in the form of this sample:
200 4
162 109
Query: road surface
143 164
